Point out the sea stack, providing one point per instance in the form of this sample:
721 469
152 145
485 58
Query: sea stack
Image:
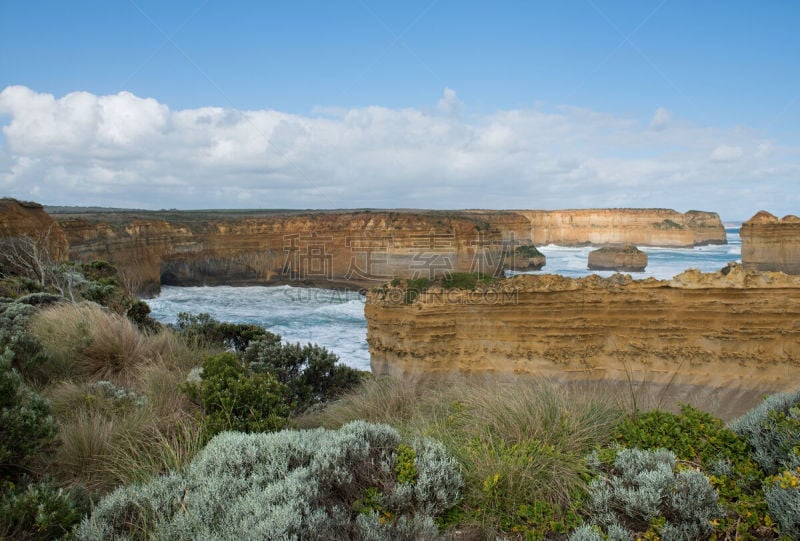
621 259
526 258
770 244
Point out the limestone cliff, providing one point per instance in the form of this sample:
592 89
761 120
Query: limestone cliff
732 335
336 248
28 221
771 244
642 227
348 248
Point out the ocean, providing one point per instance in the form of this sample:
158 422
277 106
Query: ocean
335 319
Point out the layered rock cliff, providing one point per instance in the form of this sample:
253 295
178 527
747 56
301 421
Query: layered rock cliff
642 227
352 248
771 244
23 221
346 248
729 337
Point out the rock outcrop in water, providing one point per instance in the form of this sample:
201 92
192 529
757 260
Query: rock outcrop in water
771 244
620 259
352 248
728 337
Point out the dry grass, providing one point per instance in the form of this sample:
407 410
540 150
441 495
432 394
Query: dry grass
108 441
86 342
383 400
112 436
518 442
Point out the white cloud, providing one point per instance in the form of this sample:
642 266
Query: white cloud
449 103
123 150
661 119
726 153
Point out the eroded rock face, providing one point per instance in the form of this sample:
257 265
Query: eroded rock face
525 258
621 259
28 221
642 227
349 248
771 244
330 249
726 337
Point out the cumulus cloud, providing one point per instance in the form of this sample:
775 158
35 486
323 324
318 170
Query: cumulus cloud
726 153
125 150
449 103
661 119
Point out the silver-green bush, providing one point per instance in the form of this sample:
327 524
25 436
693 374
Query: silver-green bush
782 494
316 484
645 490
773 431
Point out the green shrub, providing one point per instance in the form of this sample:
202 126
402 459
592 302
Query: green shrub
29 355
318 484
782 493
28 509
101 282
311 373
100 291
521 445
208 331
13 286
772 429
527 250
40 511
139 313
692 435
26 427
234 398
648 493
40 299
702 439
415 286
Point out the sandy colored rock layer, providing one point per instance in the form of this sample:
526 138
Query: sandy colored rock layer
330 249
771 244
29 221
622 259
350 248
736 333
641 227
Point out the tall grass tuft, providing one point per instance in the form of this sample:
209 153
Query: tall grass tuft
384 400
132 425
521 445
88 342
111 436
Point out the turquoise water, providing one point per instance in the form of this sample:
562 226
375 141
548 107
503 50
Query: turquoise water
335 319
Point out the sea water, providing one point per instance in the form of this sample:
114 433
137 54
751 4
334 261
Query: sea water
335 319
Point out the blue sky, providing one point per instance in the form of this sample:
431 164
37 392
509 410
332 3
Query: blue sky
646 103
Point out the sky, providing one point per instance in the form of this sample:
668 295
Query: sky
377 104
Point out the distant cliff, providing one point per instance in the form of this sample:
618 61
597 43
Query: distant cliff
771 244
23 220
641 227
341 248
351 248
733 335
